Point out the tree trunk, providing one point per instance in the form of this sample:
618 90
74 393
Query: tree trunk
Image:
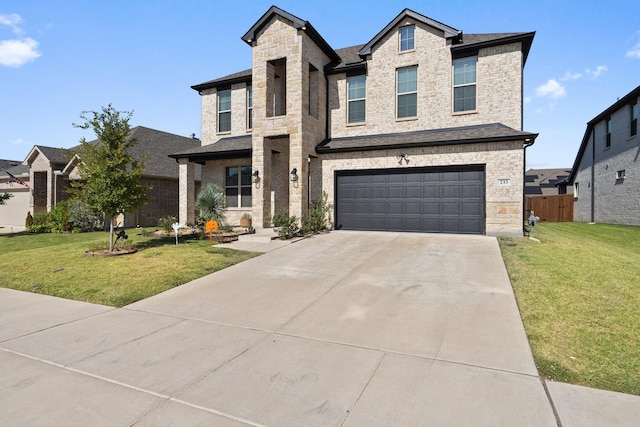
111 235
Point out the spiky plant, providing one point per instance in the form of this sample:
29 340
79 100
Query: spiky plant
210 203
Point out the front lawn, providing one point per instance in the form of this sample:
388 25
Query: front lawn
55 264
579 295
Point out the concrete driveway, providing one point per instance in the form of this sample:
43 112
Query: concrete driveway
342 329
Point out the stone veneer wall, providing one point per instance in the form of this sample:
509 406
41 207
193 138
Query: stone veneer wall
502 160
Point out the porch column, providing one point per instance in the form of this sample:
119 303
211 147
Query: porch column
186 189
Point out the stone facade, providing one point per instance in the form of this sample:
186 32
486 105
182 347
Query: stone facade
315 90
602 196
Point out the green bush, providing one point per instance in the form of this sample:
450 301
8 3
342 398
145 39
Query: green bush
287 225
59 217
211 203
317 218
82 219
41 223
28 222
165 223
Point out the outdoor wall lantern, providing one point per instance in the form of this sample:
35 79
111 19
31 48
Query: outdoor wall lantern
401 157
294 175
256 178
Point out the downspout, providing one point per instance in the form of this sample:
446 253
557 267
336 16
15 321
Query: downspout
527 144
326 106
593 174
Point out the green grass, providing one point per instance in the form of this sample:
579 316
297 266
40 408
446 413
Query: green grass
55 264
579 295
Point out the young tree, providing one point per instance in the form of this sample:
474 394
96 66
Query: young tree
4 197
109 176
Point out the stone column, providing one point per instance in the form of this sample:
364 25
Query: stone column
186 189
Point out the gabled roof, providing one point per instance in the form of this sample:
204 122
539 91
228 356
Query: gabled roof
297 23
240 77
544 181
56 156
493 132
224 148
449 32
620 103
470 43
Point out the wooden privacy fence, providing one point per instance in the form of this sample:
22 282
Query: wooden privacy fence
550 208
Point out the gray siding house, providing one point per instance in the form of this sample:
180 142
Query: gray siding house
417 129
606 171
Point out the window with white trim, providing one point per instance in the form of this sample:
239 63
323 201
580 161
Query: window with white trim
249 107
464 84
621 174
237 186
356 99
407 40
576 190
407 92
224 110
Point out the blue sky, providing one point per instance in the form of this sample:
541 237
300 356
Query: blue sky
59 58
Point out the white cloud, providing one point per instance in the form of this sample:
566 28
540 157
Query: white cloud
570 76
17 141
596 73
12 20
634 52
14 53
551 88
527 100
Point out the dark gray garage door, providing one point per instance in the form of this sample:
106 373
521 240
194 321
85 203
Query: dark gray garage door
433 200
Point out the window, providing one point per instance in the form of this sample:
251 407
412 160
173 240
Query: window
464 84
237 186
406 38
407 90
249 107
634 119
356 94
608 142
576 190
224 110
621 174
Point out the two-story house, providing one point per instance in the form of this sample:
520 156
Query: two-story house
418 129
606 172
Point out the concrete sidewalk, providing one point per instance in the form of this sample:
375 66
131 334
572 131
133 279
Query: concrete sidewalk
342 329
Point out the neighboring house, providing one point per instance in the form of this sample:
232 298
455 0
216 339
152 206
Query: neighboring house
418 129
51 170
546 182
606 172
14 211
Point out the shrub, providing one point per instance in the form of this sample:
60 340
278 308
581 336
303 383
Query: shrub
287 225
82 219
165 223
210 203
317 218
59 218
41 223
28 222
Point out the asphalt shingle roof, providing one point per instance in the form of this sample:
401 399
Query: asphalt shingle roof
234 146
459 135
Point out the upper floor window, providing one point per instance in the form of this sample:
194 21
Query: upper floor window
224 110
407 92
634 119
407 41
356 99
237 186
576 190
608 141
249 107
464 84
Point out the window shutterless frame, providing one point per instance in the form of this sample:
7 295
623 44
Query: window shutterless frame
237 186
224 110
464 84
407 38
249 107
407 92
633 128
356 99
